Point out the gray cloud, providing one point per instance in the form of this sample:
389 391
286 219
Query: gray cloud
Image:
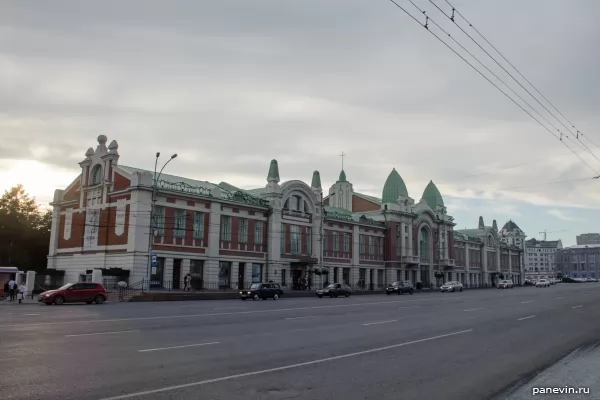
229 85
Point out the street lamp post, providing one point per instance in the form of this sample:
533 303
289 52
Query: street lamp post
151 224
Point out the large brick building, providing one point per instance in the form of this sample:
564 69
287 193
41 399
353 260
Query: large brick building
229 237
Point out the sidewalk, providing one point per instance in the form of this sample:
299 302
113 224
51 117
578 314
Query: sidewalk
26 301
573 377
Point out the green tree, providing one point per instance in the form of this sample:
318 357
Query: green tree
24 231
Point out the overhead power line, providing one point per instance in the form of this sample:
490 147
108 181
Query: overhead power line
426 26
576 132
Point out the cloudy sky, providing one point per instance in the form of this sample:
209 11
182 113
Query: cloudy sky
231 84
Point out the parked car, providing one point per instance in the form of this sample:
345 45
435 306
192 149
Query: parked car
82 292
262 291
400 287
335 290
505 284
451 286
542 283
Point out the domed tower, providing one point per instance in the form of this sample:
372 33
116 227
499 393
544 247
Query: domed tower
341 193
433 197
395 195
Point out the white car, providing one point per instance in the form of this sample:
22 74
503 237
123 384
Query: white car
542 283
505 284
452 286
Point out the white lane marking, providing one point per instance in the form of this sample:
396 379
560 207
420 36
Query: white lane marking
524 318
577 306
585 294
380 322
401 308
309 316
101 333
525 302
561 297
29 315
93 321
475 309
178 347
285 367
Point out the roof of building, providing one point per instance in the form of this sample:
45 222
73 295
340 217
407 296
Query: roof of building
342 177
372 199
338 210
316 180
511 226
393 188
542 243
432 196
273 171
582 246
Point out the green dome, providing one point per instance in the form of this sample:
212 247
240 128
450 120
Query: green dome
432 196
342 177
394 187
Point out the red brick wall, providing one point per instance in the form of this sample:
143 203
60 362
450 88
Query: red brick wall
77 231
72 194
108 221
120 182
361 205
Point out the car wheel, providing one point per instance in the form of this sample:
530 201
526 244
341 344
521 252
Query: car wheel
275 296
255 297
58 300
99 299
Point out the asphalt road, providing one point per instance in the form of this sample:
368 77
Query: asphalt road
470 345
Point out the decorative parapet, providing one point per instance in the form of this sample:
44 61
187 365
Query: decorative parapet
370 221
236 196
340 216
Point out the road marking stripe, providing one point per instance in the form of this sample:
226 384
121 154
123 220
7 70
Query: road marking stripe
585 294
524 318
525 302
577 306
93 321
561 297
380 322
101 333
29 315
401 308
474 309
309 316
177 347
286 367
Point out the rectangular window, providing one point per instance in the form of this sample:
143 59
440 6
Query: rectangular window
258 232
371 245
256 273
282 238
295 238
308 241
336 244
159 221
226 228
346 242
407 247
398 248
198 225
361 244
380 245
284 277
179 228
325 243
243 230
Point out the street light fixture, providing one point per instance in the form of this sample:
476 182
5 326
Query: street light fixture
151 230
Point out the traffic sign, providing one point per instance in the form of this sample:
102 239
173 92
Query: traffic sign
154 260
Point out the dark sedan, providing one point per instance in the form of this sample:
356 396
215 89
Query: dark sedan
262 291
335 290
400 287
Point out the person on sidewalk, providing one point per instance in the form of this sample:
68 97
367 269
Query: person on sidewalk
21 294
12 286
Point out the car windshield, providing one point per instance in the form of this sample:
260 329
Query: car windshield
503 281
332 286
449 283
68 285
396 284
255 286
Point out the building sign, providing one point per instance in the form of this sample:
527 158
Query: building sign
68 224
120 217
183 187
92 226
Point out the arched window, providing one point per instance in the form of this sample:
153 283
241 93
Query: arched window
424 244
96 175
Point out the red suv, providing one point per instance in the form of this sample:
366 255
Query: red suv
75 293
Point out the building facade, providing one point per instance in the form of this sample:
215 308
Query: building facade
580 261
228 237
588 238
540 258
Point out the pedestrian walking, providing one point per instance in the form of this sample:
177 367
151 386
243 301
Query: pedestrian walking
187 282
21 294
12 286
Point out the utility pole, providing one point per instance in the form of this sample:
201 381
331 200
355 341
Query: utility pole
151 223
321 239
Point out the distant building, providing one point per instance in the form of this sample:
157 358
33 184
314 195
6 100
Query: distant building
579 261
588 238
540 258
